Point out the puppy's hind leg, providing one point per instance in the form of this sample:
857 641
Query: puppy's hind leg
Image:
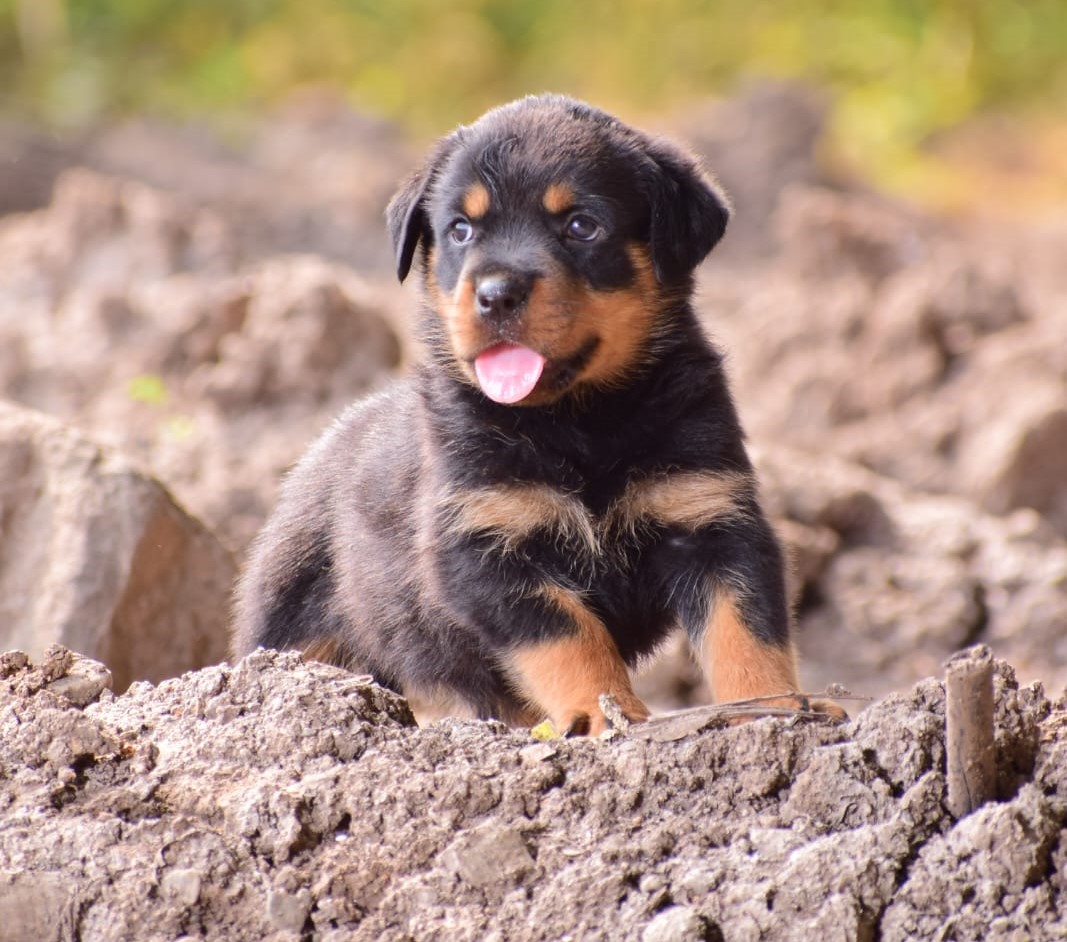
285 599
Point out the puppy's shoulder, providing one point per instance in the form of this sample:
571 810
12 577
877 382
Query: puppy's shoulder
366 431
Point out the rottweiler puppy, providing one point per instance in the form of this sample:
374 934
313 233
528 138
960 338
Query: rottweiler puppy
562 481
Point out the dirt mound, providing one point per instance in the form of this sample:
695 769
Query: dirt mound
892 580
130 312
931 354
311 176
282 800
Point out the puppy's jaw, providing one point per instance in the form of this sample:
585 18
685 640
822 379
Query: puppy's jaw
624 322
588 337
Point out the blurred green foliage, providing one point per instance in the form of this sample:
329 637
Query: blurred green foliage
147 388
900 69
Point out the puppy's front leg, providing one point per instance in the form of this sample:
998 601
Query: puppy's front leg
737 662
735 611
565 673
729 593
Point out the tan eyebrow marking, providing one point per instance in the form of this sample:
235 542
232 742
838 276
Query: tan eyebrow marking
558 198
476 201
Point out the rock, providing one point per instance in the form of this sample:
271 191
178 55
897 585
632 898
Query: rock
95 555
679 924
183 886
41 906
1017 458
81 680
489 855
288 912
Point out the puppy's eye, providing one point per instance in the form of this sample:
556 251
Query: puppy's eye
582 228
461 231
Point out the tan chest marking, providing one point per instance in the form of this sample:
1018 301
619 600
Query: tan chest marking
511 514
689 500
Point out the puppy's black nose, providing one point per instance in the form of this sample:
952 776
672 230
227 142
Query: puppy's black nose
501 296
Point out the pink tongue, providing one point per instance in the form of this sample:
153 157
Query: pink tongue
507 372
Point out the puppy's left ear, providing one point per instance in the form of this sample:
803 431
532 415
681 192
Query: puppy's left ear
406 216
689 212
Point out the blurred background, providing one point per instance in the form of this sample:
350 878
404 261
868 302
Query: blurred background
195 269
899 73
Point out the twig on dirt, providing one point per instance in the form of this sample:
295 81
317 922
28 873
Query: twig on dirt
771 705
681 723
970 757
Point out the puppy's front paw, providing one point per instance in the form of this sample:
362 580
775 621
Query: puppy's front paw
592 720
832 711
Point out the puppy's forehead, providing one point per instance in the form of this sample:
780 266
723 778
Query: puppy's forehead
528 150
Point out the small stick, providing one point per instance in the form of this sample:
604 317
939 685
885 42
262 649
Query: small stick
756 706
970 757
613 713
677 724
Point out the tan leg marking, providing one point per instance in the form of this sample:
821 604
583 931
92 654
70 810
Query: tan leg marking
737 664
326 650
565 676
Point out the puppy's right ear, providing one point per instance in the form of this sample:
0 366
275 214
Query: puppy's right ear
406 216
407 220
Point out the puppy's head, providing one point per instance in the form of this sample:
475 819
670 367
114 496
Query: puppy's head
555 242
